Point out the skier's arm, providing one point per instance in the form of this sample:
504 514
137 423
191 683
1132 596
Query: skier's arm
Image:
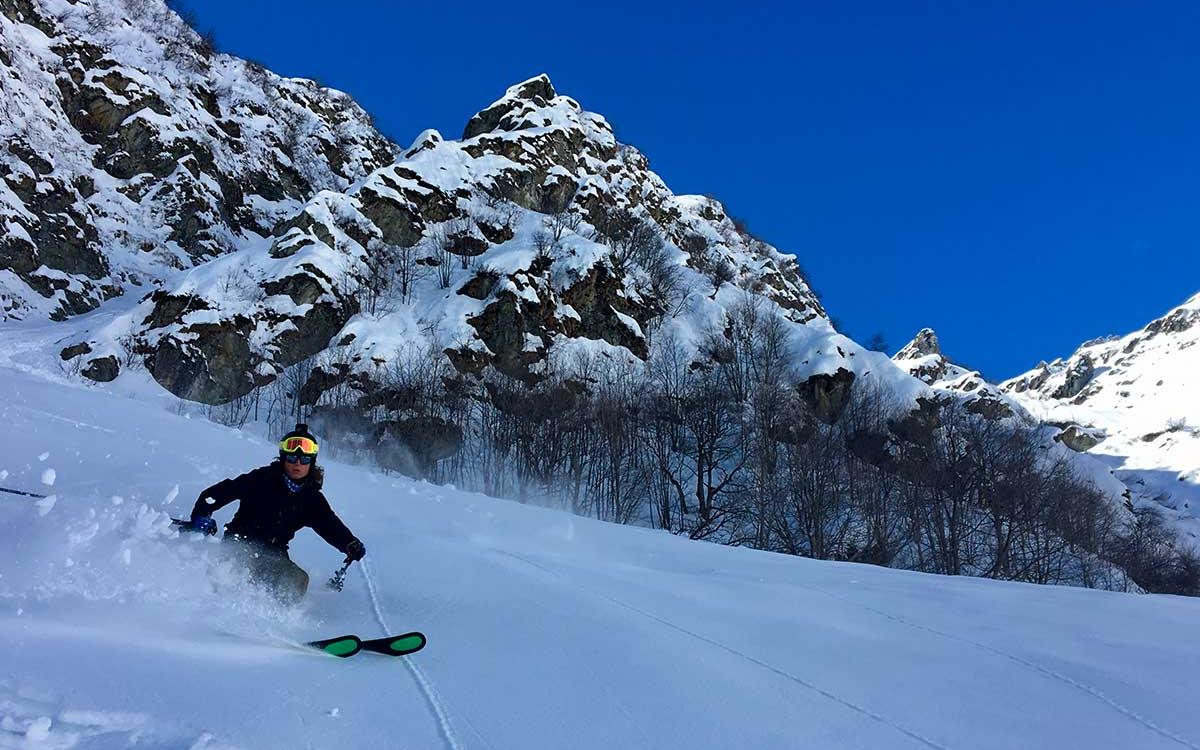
221 494
325 522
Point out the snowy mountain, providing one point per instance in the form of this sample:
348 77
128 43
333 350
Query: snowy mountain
1131 401
132 150
545 629
195 253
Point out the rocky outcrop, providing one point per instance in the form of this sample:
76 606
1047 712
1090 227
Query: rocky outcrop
215 367
1080 439
510 113
923 359
827 395
132 150
102 369
537 229
1125 398
928 364
1076 378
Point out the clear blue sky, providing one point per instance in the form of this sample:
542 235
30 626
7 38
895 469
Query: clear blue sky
1019 176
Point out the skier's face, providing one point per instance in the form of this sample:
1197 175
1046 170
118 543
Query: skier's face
296 471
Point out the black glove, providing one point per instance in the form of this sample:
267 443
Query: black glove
355 551
204 524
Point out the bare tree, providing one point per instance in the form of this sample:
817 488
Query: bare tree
543 246
631 239
130 357
560 223
380 277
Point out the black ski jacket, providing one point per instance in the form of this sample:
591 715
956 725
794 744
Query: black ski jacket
270 513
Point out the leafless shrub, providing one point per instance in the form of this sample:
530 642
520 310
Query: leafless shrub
439 247
543 246
664 282
233 413
722 272
560 223
128 347
631 238
71 367
385 279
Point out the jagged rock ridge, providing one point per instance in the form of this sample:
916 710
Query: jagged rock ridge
534 233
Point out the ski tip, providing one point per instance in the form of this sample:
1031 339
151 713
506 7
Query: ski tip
342 646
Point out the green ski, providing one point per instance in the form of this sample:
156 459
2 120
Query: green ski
396 645
342 646
392 645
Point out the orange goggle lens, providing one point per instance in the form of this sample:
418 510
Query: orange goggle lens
299 444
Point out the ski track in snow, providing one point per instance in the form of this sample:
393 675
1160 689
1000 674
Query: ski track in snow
616 699
1032 666
55 417
742 655
426 687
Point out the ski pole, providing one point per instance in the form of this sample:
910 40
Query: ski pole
339 578
21 492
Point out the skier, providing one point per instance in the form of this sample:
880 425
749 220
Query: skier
277 500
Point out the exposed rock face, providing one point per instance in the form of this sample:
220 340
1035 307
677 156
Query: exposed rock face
828 395
512 112
1080 439
1076 377
1101 370
216 367
131 150
536 231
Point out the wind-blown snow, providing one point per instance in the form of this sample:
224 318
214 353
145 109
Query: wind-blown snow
545 629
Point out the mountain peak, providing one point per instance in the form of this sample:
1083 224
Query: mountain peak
532 89
924 344
506 112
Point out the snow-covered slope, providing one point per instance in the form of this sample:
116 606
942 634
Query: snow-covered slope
1134 401
546 630
133 149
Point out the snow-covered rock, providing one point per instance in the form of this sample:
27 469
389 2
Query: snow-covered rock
536 230
923 359
132 149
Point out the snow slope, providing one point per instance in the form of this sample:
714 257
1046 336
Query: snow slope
1138 394
546 630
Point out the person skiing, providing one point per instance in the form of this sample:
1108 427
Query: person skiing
277 500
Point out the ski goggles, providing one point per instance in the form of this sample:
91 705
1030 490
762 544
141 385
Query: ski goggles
298 445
